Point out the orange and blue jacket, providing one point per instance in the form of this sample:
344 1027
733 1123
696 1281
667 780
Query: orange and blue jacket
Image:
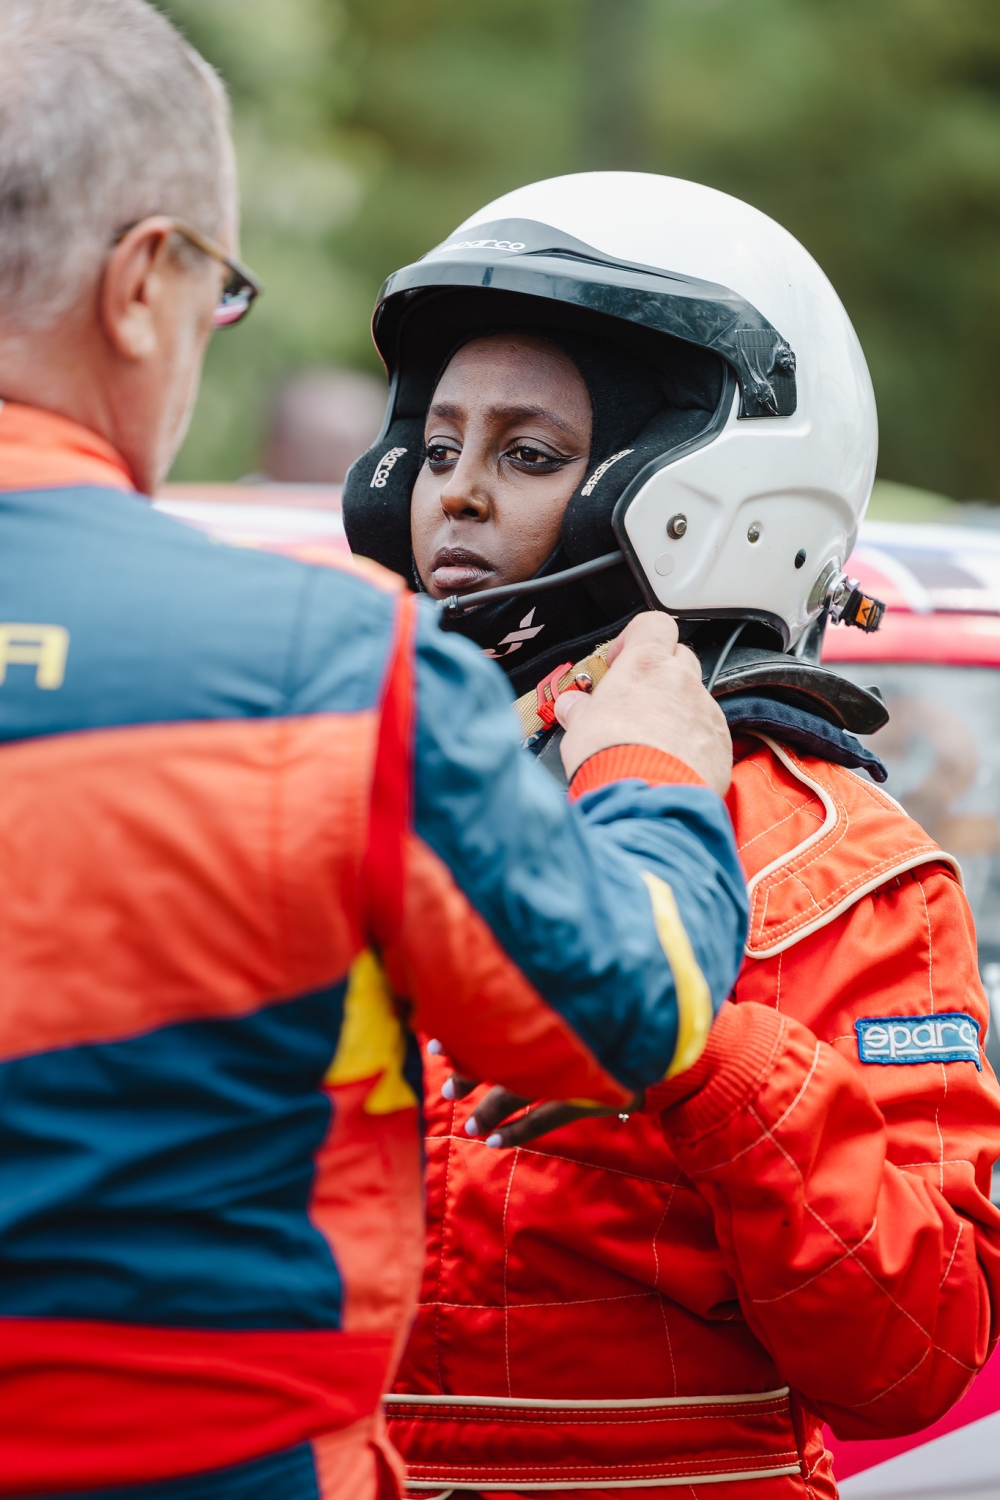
227 781
797 1230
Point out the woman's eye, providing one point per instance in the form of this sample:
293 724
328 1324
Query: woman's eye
527 456
439 454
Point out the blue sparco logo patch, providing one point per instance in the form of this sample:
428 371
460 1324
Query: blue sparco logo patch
950 1037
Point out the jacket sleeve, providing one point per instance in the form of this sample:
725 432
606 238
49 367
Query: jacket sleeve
851 1200
564 951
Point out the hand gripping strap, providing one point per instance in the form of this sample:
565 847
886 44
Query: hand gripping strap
595 665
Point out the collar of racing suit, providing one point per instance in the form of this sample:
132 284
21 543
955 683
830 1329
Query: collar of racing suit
806 731
42 450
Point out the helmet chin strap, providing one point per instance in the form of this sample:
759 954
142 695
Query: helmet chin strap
461 603
856 709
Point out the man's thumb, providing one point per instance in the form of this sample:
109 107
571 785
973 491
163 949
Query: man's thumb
568 705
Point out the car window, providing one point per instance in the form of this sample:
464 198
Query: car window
942 750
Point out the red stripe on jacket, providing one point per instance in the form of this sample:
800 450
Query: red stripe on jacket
390 809
438 949
90 1405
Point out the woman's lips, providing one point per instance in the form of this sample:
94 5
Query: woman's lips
458 576
455 569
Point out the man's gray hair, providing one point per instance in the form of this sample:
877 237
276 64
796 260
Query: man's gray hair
107 115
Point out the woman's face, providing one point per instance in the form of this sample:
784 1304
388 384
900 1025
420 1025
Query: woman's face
508 439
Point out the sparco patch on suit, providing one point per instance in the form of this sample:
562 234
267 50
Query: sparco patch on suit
951 1036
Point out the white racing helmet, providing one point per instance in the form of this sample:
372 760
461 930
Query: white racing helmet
744 510
760 512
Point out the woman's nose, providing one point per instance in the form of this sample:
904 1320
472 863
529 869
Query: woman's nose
464 494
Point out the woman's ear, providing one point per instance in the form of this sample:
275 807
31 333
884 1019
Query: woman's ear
376 497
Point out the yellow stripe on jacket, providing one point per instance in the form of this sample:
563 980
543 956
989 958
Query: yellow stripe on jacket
694 1000
371 1040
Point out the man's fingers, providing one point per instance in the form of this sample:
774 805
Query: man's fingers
688 662
614 649
653 627
652 695
568 705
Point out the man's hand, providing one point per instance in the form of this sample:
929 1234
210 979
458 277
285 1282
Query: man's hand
652 695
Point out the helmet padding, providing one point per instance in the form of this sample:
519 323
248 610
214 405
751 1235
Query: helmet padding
377 491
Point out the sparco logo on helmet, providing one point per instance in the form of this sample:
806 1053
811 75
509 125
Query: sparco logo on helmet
480 245
385 466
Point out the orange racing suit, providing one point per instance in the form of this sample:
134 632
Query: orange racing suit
799 1230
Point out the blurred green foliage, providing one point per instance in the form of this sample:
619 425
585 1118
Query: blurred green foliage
367 129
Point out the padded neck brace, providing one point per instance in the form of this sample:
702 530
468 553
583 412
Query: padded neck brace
803 684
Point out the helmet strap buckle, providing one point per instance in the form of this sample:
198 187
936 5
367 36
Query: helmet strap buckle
548 691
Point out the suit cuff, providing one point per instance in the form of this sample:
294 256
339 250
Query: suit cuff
631 762
738 1055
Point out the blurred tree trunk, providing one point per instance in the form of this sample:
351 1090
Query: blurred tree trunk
614 130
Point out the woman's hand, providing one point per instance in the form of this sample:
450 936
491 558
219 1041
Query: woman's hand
499 1104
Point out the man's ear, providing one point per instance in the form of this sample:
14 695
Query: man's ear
132 285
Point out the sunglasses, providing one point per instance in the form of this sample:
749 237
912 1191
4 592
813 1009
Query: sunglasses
241 285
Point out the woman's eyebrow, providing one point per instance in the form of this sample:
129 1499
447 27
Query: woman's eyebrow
447 411
540 413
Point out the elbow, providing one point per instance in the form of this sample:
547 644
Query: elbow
909 1406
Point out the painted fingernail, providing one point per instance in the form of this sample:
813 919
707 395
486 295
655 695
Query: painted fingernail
448 1089
471 1128
494 1140
434 1047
